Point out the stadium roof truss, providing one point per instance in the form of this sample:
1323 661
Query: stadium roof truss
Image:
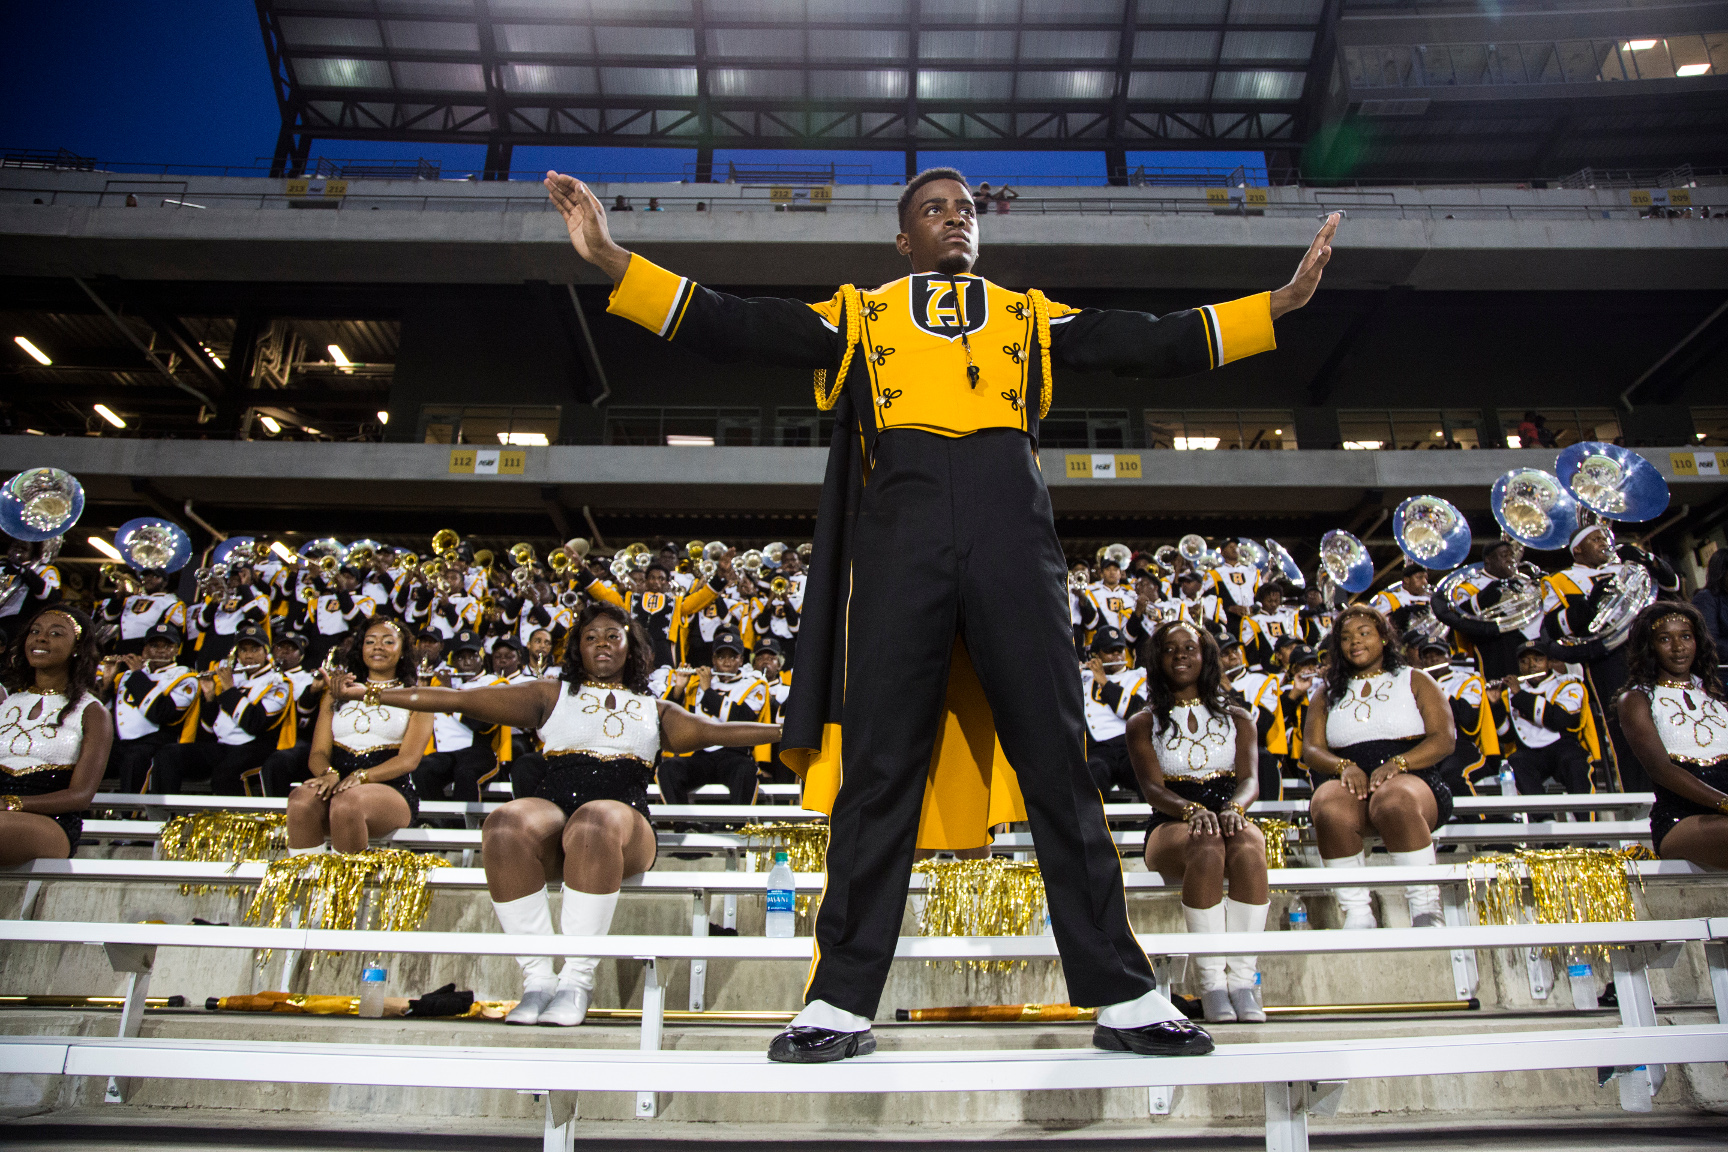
836 74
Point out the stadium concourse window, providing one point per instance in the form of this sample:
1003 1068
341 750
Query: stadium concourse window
1711 426
1408 428
1559 427
684 427
1206 430
524 427
1086 428
802 427
1537 62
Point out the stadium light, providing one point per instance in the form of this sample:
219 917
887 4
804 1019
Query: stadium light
309 430
1691 69
1196 443
1640 45
270 424
36 353
281 550
106 549
528 439
677 441
383 416
1365 445
107 414
39 432
337 355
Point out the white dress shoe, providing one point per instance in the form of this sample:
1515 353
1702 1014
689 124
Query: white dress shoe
569 1007
1217 1006
1248 1009
529 1008
1360 918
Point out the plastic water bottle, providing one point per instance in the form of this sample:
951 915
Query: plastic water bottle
372 991
1583 979
1508 784
1296 920
782 917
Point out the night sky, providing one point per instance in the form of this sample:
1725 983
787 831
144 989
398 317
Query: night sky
186 83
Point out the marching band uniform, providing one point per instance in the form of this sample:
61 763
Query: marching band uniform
240 722
1236 584
218 621
1260 632
1693 726
778 619
947 507
1496 651
458 760
1109 703
150 706
1473 721
1400 605
36 585
1548 716
740 696
1201 609
1261 696
333 614
138 613
39 749
287 767
1106 605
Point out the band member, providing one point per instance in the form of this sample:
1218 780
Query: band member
1574 597
28 581
732 693
1190 600
54 735
153 692
1109 603
286 767
1113 692
1496 651
1270 622
540 645
1548 710
1294 687
954 513
588 821
1237 584
335 609
1315 616
1675 715
246 711
767 659
1472 716
463 757
778 618
138 613
226 604
664 613
1258 693
363 752
1382 728
1194 752
1404 602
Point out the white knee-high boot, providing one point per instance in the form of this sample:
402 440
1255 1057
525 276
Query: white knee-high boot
531 915
1242 970
1354 902
1210 969
1424 899
584 914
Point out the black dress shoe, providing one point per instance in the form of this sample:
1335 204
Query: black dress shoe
803 1045
1167 1038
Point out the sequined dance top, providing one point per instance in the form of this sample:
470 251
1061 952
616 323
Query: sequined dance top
1197 744
1378 707
604 722
361 728
32 737
1693 724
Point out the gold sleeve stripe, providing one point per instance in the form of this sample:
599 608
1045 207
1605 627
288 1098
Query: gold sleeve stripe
650 296
1243 327
1209 321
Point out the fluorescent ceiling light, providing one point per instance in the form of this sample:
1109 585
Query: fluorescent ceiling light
1364 445
1700 435
1640 45
1277 431
107 414
1691 69
1514 442
690 441
214 359
1196 443
528 439
106 549
36 353
281 550
270 424
38 432
309 430
335 351
383 416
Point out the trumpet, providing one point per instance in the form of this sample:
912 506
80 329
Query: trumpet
559 562
445 540
779 586
570 598
409 562
751 562
483 559
522 555
120 578
328 565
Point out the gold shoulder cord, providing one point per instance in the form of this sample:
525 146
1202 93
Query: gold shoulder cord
1041 326
851 304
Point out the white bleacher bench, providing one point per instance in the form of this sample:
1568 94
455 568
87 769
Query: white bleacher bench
1298 1077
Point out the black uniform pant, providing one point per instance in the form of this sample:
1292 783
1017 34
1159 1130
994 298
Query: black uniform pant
463 771
129 760
1564 760
1605 678
284 769
954 536
1107 760
221 764
735 768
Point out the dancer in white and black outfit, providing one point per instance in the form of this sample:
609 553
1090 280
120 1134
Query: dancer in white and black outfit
1194 752
1382 728
1675 716
54 736
363 751
588 820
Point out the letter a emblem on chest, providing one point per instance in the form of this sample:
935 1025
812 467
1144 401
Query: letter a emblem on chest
946 306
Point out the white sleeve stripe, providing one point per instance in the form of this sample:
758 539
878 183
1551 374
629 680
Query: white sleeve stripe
677 298
1063 319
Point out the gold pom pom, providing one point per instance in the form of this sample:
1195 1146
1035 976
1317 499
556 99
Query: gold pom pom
326 889
992 897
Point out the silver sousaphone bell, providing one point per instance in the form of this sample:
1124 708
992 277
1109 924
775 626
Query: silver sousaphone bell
1280 562
1431 532
151 544
1534 508
1346 561
1612 481
1192 548
40 503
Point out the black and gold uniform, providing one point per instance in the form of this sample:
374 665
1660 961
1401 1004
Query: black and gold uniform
935 534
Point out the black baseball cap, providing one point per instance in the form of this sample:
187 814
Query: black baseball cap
728 640
253 632
293 638
1108 639
165 631
466 641
1300 655
769 644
